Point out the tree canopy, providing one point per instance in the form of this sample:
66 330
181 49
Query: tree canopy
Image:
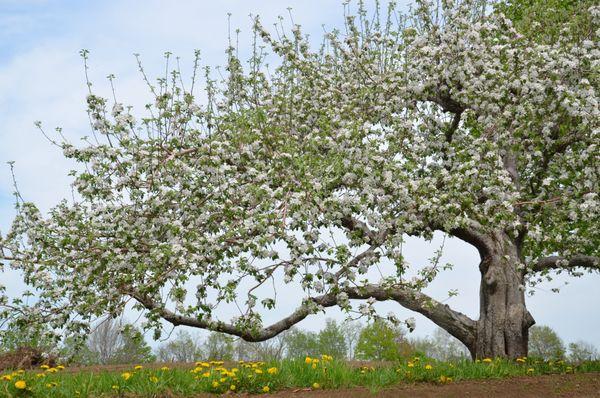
314 171
545 343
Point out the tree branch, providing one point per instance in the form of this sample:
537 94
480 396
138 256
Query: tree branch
560 262
456 323
352 224
447 103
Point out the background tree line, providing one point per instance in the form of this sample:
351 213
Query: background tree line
114 342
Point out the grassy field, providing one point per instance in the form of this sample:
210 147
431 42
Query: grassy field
260 377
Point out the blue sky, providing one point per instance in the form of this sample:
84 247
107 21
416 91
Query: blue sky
41 78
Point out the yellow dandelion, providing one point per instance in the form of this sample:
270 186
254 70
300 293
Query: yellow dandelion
266 389
530 370
272 371
138 367
215 384
316 386
154 379
45 367
6 378
308 360
20 384
428 367
115 387
38 375
410 365
521 360
164 368
126 376
232 387
314 366
487 360
60 367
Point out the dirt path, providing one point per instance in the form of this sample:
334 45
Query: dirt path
573 385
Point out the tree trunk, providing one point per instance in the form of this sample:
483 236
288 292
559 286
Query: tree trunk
503 326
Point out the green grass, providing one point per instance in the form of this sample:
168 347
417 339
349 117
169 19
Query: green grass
256 377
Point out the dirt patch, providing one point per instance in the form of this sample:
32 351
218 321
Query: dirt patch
24 358
572 385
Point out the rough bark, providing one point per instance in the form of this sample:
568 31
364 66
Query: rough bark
503 326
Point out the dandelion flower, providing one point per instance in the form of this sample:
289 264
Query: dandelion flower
487 360
266 389
126 376
316 386
20 384
428 367
445 379
272 371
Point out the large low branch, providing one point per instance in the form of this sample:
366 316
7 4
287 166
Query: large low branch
566 263
456 323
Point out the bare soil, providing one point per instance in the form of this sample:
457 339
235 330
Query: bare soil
24 358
